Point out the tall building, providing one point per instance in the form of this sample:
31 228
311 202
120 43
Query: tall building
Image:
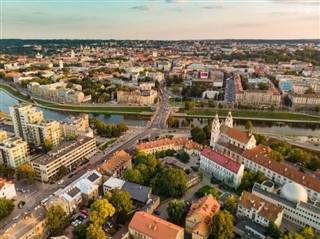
78 126
29 124
14 152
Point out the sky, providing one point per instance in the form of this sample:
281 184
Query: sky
160 19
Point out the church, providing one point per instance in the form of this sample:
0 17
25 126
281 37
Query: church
229 140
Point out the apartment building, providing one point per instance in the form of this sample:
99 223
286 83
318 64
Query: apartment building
221 167
199 218
144 225
68 154
7 189
140 97
76 126
177 144
259 210
116 164
14 152
258 97
29 124
292 197
304 100
3 135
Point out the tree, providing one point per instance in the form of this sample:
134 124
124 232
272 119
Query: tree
308 233
62 170
170 182
198 135
222 225
6 207
56 219
188 105
80 231
101 209
47 145
277 156
292 236
249 126
122 203
231 204
122 127
260 139
95 231
273 231
183 157
177 211
133 175
25 171
185 123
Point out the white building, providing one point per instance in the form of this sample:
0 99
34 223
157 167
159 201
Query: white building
111 184
292 197
7 189
78 126
221 167
14 152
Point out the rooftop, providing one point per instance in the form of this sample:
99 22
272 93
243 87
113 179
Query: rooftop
138 192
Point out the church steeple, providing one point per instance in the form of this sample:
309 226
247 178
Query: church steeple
215 131
229 120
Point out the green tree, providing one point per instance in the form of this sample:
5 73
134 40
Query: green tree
95 231
249 126
277 156
6 207
273 231
25 171
134 176
80 231
260 139
170 182
100 211
198 135
177 211
292 236
56 219
308 233
183 157
122 127
122 203
47 145
63 170
231 204
222 225
185 123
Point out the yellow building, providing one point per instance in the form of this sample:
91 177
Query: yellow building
140 97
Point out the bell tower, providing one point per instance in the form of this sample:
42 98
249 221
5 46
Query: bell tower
215 131
229 120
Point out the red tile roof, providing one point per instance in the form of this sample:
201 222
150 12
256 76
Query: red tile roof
221 159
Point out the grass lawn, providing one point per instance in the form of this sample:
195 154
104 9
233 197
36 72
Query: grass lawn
204 190
105 145
250 114
87 109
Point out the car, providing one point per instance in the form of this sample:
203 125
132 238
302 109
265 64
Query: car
80 218
61 182
109 224
85 212
75 223
22 190
83 215
157 213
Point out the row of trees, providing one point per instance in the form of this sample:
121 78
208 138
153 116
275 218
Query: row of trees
275 233
148 171
109 130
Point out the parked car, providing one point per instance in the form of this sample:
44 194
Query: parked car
61 182
84 215
109 224
85 212
80 218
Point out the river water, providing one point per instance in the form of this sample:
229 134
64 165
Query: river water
131 120
281 128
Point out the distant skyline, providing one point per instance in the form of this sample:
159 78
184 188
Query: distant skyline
160 19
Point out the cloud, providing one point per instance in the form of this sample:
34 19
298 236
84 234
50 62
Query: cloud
175 1
210 7
148 7
301 2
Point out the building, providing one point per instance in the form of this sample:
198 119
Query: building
140 97
29 124
144 225
111 184
221 167
3 135
7 189
259 210
14 152
67 154
116 165
293 198
269 97
304 100
33 225
76 126
177 144
200 216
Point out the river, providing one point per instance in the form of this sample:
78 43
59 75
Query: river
131 120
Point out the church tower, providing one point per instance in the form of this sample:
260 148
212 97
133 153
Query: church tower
215 131
229 120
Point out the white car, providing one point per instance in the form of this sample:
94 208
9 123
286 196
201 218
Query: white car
61 182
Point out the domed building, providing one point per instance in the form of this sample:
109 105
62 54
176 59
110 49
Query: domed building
294 192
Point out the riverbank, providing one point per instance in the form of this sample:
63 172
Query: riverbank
250 115
130 110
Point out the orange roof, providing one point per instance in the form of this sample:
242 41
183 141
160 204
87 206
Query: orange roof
205 209
264 208
164 142
4 182
236 134
116 160
154 227
259 155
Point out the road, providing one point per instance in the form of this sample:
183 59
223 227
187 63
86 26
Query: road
230 91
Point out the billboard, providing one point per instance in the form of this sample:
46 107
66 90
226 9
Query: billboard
204 74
